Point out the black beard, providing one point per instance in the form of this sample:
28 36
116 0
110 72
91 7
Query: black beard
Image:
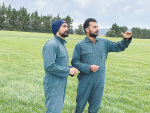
93 35
64 34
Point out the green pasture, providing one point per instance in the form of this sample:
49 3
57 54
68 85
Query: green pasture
127 88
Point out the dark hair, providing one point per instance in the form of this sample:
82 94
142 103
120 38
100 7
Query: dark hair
86 23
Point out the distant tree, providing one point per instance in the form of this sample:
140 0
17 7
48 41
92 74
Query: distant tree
23 19
136 32
55 18
46 22
122 29
35 22
140 33
115 27
146 33
108 33
8 26
69 22
111 33
14 19
2 15
79 31
115 31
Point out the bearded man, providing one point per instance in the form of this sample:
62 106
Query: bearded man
89 57
56 60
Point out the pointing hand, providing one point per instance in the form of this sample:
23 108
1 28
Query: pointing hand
126 35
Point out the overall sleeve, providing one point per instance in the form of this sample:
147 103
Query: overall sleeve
70 66
49 57
76 61
118 46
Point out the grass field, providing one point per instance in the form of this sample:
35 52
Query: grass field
127 88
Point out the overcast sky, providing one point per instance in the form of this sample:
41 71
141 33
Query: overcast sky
130 13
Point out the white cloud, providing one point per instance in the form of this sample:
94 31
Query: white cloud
41 4
106 12
140 2
127 8
139 11
75 25
83 3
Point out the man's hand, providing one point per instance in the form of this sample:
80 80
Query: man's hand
94 68
126 35
73 71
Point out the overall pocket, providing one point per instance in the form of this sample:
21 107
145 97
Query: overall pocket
101 58
87 57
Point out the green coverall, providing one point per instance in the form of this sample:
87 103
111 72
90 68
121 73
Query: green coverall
56 67
91 84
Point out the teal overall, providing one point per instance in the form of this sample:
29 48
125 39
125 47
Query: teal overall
91 84
55 57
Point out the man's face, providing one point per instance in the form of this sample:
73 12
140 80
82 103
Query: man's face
63 30
93 29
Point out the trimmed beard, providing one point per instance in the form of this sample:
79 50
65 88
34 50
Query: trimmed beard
94 35
64 34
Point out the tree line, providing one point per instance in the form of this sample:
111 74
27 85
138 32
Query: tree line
140 33
21 20
115 31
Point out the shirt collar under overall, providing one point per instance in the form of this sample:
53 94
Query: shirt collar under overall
87 40
60 39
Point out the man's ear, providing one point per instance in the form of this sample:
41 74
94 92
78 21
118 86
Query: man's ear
87 30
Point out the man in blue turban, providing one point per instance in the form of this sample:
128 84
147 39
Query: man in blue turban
56 60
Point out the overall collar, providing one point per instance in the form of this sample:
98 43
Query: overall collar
60 39
87 40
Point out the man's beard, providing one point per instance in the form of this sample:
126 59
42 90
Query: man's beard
65 34
94 35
